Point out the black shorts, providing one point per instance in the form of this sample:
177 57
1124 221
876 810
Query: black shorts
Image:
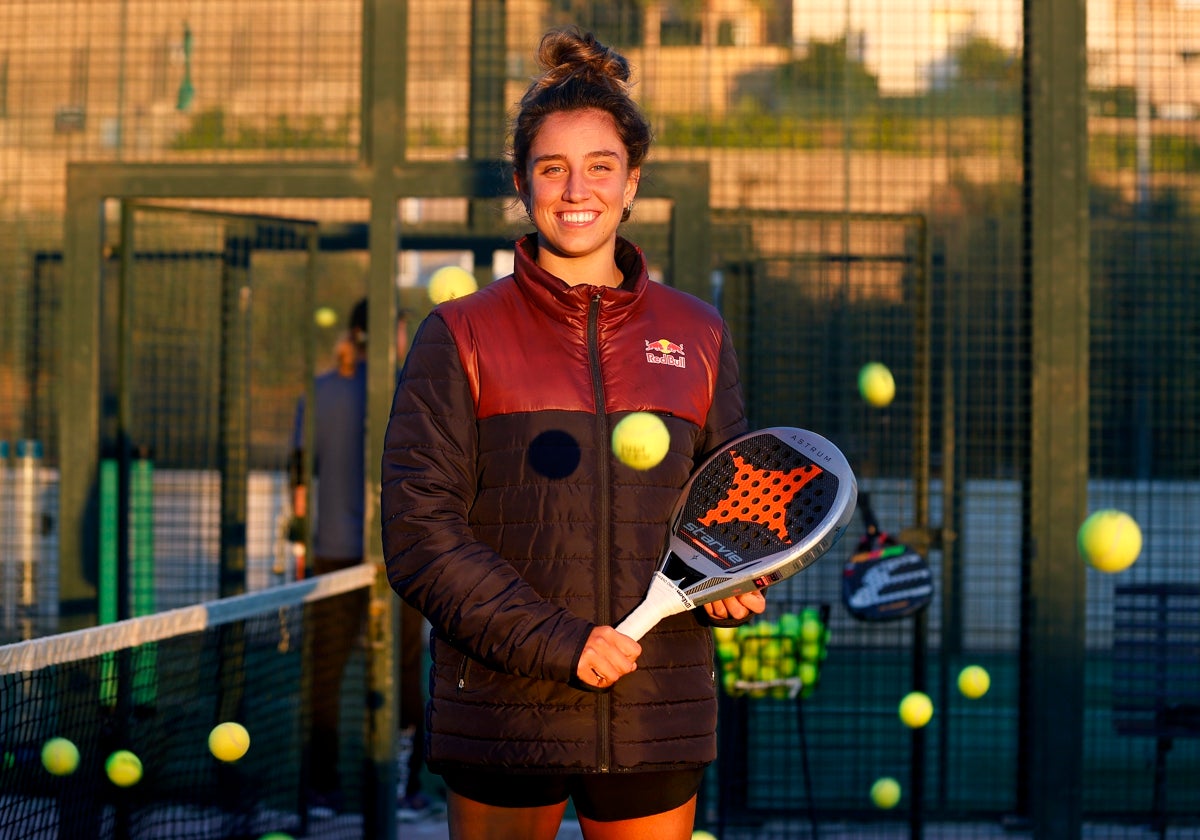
603 797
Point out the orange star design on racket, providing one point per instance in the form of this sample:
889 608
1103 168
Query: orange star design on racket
768 510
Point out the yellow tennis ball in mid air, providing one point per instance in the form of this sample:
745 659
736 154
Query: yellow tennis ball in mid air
876 384
885 793
60 756
228 741
1110 540
450 282
124 769
916 709
973 682
703 835
641 440
325 316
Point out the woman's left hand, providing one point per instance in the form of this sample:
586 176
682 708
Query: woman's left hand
737 607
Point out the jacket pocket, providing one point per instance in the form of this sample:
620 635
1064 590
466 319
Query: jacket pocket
464 668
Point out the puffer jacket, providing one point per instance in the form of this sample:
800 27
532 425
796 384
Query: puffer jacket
510 524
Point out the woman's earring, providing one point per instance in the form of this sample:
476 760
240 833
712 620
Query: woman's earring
627 212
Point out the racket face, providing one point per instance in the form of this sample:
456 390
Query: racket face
765 506
886 581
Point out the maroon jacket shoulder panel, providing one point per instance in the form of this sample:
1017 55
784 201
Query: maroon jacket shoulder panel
659 348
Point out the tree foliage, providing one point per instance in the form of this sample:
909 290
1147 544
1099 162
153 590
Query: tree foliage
981 62
826 79
828 69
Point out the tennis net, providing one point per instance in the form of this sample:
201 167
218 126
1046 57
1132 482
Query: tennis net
156 686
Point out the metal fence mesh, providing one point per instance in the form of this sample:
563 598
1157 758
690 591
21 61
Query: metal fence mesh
866 202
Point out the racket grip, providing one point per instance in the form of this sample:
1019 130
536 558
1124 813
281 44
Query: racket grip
639 622
662 599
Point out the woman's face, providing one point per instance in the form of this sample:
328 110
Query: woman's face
577 183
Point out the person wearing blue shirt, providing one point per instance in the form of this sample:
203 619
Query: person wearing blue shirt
339 419
339 436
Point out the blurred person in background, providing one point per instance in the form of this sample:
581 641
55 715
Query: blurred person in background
339 439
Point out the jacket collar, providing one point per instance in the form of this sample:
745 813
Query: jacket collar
570 303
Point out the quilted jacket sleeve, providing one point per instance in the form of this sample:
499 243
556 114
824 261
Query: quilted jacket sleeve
471 595
727 415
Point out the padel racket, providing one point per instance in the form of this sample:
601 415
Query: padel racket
884 579
760 509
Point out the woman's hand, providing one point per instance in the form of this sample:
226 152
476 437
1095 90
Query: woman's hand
737 607
607 656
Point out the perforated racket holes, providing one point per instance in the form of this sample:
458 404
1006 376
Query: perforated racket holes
809 508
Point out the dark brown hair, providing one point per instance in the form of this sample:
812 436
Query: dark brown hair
579 72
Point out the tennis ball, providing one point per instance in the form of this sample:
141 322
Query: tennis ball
916 709
450 282
60 756
124 769
885 793
228 741
1110 540
728 651
703 835
875 384
724 634
807 673
277 835
766 628
641 440
973 682
789 624
325 316
749 667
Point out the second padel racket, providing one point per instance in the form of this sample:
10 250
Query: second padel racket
764 506
884 579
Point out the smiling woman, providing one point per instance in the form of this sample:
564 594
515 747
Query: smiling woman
577 188
578 149
514 527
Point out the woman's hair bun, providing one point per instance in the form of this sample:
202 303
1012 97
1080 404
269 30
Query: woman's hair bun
577 73
569 52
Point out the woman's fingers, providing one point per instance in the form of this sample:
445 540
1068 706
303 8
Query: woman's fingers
738 606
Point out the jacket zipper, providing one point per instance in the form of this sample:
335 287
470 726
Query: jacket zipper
462 674
603 582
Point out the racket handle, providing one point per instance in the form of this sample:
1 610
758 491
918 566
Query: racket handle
639 622
662 599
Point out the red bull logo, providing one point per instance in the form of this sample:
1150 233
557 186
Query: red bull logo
665 352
